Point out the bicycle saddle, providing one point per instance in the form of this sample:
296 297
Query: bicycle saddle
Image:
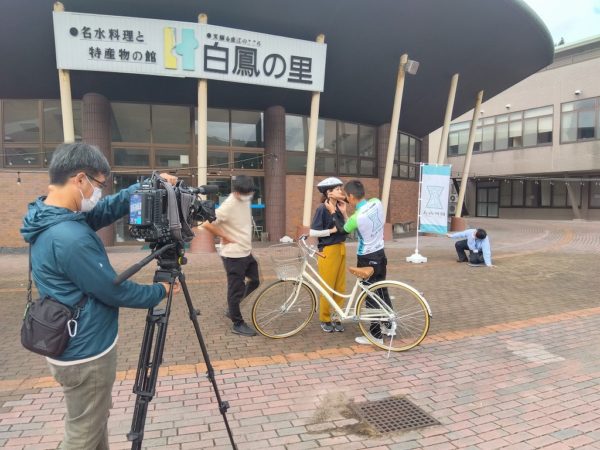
361 272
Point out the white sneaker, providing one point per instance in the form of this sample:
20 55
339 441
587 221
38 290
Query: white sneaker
387 331
364 341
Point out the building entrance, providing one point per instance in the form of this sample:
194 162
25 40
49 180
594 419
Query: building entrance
488 201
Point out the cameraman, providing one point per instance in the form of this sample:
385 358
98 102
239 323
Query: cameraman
69 263
234 227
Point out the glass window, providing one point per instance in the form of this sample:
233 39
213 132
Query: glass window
296 133
478 138
594 200
515 134
348 166
530 127
217 127
366 143
403 142
505 194
347 138
588 103
367 167
296 162
517 193
412 150
130 122
545 193
403 171
586 125
487 142
501 136
252 161
131 157
326 136
544 130
532 194
325 165
568 127
171 124
171 157
463 141
218 160
53 124
246 129
48 152
576 190
21 121
453 143
22 156
537 112
559 195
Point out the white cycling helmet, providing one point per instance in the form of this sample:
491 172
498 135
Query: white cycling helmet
329 183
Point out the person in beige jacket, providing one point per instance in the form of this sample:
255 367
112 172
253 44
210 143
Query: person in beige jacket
234 227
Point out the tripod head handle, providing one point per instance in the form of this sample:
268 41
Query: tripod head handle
138 265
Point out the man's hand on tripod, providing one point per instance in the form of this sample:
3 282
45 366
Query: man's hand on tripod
176 288
171 179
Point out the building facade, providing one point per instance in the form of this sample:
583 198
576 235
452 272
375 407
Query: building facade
270 146
537 145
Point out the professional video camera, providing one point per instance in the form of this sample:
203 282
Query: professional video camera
162 213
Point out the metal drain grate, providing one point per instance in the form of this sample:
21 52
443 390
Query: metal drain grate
393 414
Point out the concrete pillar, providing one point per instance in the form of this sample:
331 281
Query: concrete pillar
383 139
95 125
275 168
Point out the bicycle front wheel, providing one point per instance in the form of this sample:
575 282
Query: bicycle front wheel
283 309
393 316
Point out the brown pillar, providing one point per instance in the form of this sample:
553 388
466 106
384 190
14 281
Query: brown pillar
383 139
95 125
275 168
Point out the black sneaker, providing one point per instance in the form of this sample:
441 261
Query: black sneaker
462 260
243 329
337 326
327 327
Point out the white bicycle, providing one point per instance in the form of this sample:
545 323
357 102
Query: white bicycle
392 309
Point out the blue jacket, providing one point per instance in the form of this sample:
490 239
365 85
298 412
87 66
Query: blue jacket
482 245
69 260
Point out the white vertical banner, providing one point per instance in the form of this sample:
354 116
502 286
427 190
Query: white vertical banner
435 190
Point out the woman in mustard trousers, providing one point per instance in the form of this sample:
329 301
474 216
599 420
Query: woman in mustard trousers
332 268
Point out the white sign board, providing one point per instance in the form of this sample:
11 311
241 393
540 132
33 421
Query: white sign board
435 188
181 49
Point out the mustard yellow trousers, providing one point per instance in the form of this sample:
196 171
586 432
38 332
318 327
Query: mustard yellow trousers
332 269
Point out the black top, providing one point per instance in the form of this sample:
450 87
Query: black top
323 220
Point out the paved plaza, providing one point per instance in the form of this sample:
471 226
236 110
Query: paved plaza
512 359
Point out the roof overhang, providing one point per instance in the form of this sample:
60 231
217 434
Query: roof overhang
493 44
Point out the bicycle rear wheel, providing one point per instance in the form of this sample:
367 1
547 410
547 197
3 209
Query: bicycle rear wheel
283 309
400 326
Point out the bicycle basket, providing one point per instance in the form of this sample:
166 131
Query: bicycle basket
287 260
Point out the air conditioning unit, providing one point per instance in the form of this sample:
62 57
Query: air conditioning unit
453 198
452 209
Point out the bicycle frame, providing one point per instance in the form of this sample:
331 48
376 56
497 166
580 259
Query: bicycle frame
316 283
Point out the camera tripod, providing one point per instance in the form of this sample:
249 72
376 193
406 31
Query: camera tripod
170 259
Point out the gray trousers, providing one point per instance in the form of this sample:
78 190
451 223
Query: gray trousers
87 389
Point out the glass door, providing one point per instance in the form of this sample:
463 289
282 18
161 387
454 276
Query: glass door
488 201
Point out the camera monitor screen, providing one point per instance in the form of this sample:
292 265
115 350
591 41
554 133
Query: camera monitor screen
135 209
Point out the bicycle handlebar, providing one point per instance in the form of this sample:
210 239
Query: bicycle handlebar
310 251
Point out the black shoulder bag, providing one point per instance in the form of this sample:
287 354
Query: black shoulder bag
47 323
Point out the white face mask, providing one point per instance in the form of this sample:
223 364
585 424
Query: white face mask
87 204
246 198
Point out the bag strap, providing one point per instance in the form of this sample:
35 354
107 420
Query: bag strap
79 304
29 282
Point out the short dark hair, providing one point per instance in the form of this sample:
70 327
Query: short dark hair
70 159
355 188
243 184
480 233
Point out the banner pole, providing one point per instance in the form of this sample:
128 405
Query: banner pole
417 258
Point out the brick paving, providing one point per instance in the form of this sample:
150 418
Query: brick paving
512 358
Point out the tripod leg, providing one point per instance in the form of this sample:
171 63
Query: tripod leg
223 405
151 354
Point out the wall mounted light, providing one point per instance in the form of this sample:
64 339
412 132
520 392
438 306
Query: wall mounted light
577 92
507 106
